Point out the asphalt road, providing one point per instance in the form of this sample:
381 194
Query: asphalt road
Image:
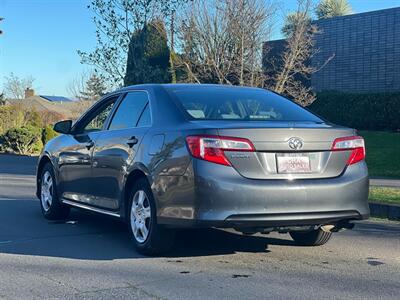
90 257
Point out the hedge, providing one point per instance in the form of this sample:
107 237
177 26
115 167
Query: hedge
370 111
22 140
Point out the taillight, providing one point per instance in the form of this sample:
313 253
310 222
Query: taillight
211 147
354 143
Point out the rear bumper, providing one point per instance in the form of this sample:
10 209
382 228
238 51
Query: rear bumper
211 195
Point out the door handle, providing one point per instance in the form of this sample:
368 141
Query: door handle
132 141
89 145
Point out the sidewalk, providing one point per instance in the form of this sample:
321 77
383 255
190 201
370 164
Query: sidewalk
385 182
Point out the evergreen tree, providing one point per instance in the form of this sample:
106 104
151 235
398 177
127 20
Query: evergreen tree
95 88
149 55
292 21
332 8
2 99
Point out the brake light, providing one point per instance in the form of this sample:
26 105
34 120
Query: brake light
354 143
211 147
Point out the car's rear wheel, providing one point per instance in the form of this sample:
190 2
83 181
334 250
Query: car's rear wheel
52 208
311 238
149 237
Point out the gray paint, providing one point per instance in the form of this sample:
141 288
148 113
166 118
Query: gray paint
191 192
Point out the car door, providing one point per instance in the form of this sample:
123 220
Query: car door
115 150
75 157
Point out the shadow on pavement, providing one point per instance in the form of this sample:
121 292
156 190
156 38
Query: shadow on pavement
17 164
88 236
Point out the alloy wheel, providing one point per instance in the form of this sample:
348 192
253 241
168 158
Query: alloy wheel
140 216
46 191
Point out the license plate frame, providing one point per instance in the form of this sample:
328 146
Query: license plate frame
293 163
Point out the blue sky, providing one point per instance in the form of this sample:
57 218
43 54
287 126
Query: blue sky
41 38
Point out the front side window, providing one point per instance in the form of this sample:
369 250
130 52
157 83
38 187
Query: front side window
97 120
129 111
241 104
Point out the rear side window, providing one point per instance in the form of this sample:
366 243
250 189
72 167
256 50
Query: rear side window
225 103
129 111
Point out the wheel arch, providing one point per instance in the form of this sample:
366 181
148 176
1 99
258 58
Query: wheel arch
42 162
138 173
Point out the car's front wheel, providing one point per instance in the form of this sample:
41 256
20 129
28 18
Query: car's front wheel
149 237
52 208
311 238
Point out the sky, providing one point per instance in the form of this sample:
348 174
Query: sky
41 38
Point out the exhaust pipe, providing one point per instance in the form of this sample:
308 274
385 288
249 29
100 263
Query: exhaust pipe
338 227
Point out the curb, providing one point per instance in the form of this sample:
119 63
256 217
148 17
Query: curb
388 211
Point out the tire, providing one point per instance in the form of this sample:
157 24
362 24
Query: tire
148 237
311 238
52 208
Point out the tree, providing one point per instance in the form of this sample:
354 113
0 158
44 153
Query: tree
291 22
148 56
332 8
2 99
94 89
23 140
78 84
116 21
1 31
295 67
14 86
222 41
87 86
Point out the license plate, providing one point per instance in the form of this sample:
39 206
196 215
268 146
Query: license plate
293 163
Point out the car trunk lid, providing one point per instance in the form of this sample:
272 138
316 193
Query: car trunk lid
288 150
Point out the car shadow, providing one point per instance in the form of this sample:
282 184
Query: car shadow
88 236
13 164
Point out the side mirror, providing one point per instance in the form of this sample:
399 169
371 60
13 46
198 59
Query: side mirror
63 126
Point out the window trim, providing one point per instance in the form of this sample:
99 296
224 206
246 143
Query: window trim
141 114
115 97
120 99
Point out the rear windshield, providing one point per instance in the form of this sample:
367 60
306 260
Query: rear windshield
239 104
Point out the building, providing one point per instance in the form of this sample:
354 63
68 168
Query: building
63 106
365 48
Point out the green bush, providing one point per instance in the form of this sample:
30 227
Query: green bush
23 140
48 133
12 116
366 111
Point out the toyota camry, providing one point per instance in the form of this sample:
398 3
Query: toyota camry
165 157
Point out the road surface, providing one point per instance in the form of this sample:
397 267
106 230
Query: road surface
91 257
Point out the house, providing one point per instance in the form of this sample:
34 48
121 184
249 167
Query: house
63 106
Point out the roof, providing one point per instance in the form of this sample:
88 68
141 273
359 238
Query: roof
169 86
56 98
40 104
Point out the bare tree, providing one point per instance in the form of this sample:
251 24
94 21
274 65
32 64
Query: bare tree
14 86
78 84
296 67
222 41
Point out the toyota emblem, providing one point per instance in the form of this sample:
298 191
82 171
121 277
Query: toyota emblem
295 143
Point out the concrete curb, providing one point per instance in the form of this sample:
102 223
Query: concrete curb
389 211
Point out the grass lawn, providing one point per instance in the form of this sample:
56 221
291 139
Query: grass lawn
383 153
384 195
